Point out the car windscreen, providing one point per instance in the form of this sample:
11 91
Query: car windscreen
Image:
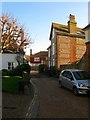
81 75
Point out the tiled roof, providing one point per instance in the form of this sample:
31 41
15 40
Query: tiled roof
87 27
40 54
60 27
63 29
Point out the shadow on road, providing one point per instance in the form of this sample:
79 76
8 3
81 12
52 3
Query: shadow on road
36 74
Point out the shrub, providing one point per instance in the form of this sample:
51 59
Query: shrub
53 71
4 72
15 72
24 67
19 70
42 68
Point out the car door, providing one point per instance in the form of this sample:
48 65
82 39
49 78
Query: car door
64 79
70 80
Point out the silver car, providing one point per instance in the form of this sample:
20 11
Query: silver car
76 80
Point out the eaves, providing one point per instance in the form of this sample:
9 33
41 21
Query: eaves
71 35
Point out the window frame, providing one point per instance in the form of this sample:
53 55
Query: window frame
10 65
66 75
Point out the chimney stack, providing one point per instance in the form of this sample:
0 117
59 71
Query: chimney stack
30 51
72 24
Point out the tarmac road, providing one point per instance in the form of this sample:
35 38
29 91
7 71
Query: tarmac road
55 102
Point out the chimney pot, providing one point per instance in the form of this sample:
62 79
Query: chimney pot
72 24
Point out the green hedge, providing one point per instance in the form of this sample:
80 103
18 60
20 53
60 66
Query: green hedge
18 71
53 71
24 67
42 68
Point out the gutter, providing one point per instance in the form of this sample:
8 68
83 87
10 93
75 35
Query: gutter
33 108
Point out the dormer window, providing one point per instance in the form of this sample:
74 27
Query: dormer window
80 32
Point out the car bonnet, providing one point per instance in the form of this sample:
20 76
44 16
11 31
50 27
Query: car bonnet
84 82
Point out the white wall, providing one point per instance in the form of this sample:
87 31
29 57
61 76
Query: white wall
7 57
87 35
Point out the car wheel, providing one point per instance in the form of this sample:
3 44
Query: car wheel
75 91
60 84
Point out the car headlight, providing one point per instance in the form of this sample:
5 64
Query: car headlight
81 85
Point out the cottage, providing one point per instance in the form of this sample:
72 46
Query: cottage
10 60
67 43
38 58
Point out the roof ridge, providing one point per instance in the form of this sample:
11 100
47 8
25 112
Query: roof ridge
60 24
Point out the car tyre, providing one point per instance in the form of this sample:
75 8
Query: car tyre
75 91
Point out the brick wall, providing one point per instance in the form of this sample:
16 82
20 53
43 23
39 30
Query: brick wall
63 50
80 48
72 50
69 50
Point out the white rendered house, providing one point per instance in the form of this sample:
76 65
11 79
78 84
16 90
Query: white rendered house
9 60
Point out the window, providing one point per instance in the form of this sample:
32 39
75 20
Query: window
67 74
36 59
64 74
81 75
53 62
53 49
42 61
10 65
53 33
49 64
49 53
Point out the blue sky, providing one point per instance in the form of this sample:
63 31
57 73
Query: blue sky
37 18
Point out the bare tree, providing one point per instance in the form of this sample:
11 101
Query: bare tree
12 37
